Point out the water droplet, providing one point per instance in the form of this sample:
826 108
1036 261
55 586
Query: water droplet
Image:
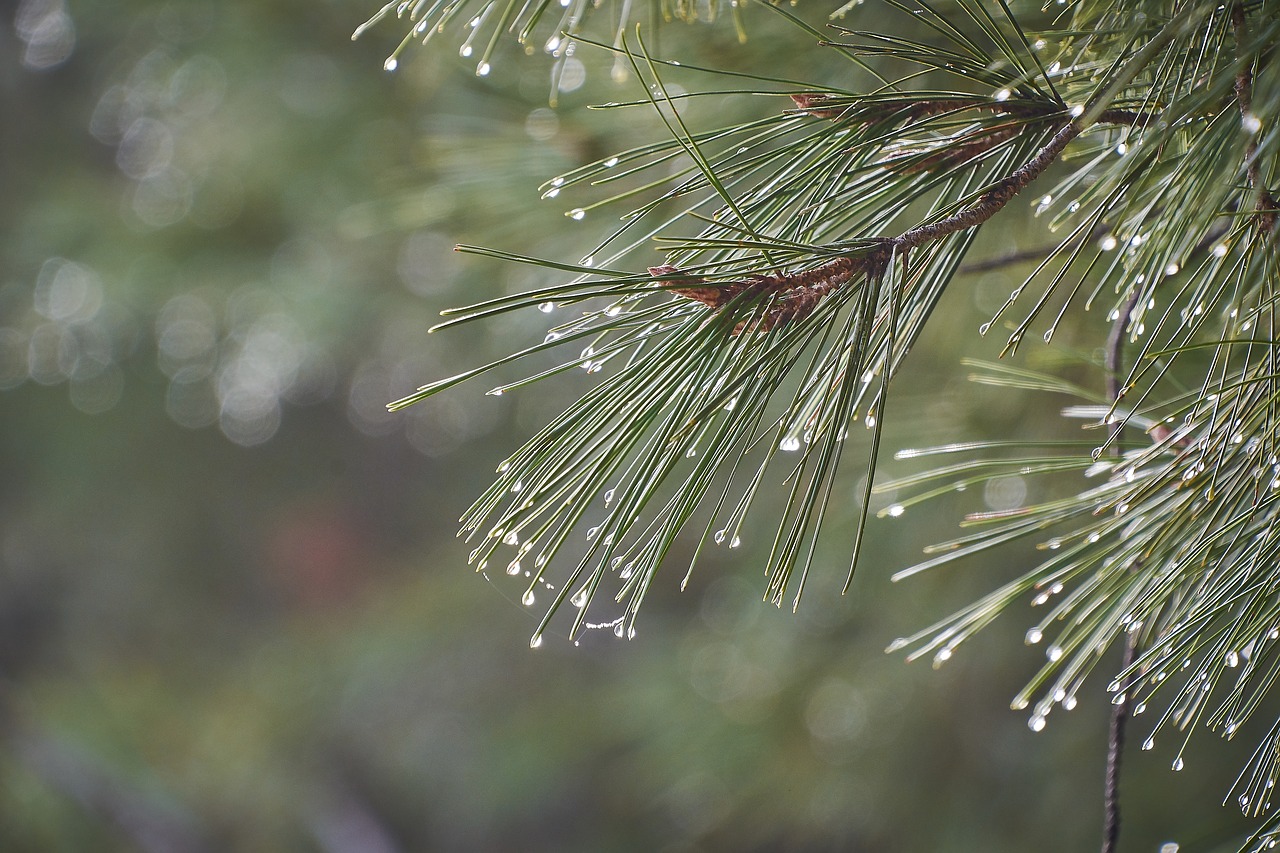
1053 653
1069 703
464 51
513 568
527 599
1139 708
1034 636
720 536
790 444
1149 743
391 64
895 511
1177 764
494 392
735 542
618 629
1036 723
1251 123
1118 699
535 641
579 599
1003 95
1232 659
482 70
547 307
1077 111
591 534
511 539
611 162
577 213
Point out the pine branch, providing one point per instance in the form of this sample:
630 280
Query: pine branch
799 293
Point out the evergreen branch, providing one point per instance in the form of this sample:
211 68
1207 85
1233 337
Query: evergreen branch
799 293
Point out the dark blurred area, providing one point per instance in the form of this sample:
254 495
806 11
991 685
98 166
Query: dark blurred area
233 614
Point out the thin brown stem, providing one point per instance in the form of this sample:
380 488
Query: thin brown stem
1265 206
1115 749
797 294
863 111
1119 710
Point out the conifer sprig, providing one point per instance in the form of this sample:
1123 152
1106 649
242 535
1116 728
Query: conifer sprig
792 261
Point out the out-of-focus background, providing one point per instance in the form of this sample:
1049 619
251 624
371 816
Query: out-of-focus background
233 615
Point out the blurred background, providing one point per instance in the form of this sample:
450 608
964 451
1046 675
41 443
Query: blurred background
233 614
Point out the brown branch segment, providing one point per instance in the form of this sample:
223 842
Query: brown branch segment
865 112
791 296
795 295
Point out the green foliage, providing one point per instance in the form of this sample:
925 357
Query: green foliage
804 249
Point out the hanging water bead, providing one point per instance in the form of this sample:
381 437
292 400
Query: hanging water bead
391 64
528 598
513 568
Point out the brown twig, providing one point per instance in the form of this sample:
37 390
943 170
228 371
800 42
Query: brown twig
797 294
864 112
1265 206
1119 710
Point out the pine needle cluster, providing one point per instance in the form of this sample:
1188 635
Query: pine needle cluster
796 258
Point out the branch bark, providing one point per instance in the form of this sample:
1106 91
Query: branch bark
1119 710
